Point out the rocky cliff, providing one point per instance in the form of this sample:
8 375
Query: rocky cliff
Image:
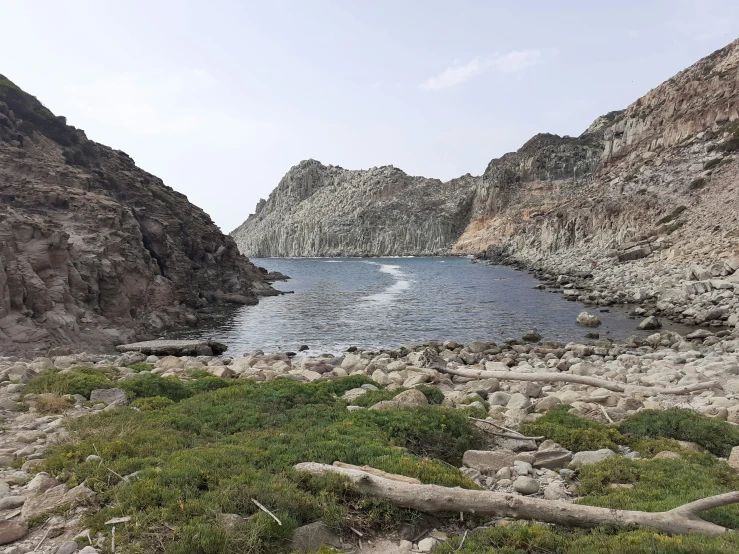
94 250
650 209
320 210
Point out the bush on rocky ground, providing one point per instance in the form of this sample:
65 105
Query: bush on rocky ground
148 385
432 394
660 484
213 452
573 432
523 538
716 436
77 380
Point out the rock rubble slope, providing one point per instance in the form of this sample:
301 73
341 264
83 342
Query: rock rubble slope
94 250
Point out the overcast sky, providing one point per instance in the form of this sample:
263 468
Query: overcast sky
221 98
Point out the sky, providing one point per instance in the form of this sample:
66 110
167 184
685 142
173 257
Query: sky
221 98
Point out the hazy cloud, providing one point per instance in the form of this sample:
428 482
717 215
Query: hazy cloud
512 62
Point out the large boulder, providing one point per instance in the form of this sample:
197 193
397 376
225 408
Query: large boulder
112 397
588 457
650 323
11 531
551 456
311 537
488 461
734 458
55 498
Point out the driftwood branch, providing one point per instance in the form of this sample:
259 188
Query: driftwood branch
577 379
437 499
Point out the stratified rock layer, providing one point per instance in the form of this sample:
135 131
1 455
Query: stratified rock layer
93 249
320 210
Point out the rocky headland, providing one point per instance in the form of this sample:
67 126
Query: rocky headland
95 251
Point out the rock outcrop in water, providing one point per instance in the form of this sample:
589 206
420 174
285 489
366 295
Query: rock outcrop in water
93 249
320 210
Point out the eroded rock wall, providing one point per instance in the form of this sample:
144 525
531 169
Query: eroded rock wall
93 250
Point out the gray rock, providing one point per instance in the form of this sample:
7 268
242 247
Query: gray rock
407 399
526 485
734 458
488 461
650 323
499 398
518 401
175 347
11 531
587 320
112 397
314 535
69 547
551 456
587 457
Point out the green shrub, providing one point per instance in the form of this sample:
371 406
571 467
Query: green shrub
573 432
151 403
372 397
716 436
660 485
77 380
148 385
209 383
215 451
524 538
433 395
430 432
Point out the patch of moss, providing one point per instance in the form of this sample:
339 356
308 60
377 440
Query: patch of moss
573 432
716 436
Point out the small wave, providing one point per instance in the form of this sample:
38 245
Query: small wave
333 261
390 293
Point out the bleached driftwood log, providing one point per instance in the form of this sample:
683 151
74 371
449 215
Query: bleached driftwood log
436 499
577 379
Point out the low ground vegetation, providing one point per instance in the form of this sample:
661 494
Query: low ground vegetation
183 453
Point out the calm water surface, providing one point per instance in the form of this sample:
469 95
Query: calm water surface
389 302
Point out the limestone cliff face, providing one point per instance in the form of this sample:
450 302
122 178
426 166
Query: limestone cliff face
320 210
94 250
